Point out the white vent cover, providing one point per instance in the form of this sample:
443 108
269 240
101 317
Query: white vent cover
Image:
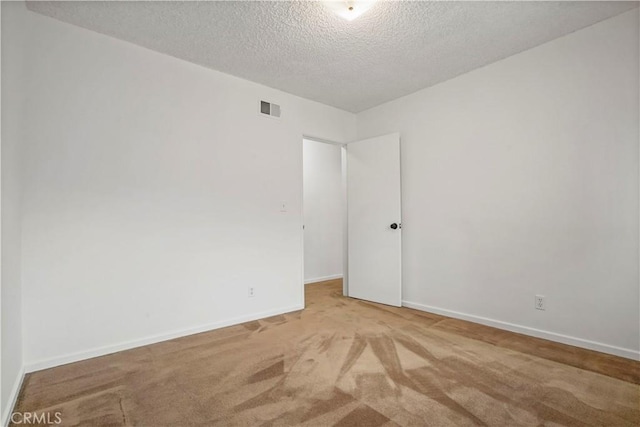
269 109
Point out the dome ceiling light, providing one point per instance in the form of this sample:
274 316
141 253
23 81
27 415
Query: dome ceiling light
350 9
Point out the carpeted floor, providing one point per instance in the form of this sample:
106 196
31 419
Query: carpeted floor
344 362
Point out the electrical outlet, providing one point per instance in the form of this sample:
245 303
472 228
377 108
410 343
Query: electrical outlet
251 292
540 305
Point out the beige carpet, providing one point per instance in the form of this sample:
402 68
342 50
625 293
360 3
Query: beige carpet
344 362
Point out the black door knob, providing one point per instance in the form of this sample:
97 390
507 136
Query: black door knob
394 226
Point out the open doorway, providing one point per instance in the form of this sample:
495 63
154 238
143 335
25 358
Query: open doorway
324 210
353 218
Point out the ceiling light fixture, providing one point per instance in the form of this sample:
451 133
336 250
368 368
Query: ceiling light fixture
350 9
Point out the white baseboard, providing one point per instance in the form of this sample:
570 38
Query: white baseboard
323 279
525 330
13 397
101 351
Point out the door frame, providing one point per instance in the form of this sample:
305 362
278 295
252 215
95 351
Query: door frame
345 212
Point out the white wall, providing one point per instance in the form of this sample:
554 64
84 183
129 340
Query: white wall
13 37
152 195
323 211
521 178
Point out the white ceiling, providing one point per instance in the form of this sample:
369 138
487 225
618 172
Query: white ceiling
301 47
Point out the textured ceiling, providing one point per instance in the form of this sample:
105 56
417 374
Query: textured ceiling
301 47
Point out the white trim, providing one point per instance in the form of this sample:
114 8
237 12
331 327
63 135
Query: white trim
525 330
13 397
345 221
323 279
102 351
324 141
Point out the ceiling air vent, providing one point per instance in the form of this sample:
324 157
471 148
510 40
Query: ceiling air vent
269 109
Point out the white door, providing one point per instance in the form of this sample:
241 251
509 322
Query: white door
374 219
